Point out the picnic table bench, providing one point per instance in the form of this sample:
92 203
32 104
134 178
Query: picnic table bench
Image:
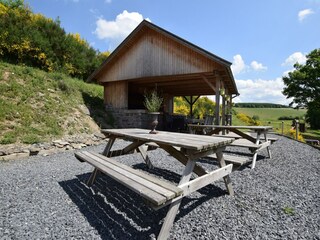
185 148
253 143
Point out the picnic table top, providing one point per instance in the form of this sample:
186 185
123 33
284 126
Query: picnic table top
233 127
187 141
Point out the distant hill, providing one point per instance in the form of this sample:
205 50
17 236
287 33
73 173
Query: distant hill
36 106
260 105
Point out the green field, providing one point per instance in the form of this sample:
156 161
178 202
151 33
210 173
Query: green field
270 116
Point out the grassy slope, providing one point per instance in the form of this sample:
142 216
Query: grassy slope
36 106
269 116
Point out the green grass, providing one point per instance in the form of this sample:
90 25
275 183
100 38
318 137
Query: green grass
270 116
34 104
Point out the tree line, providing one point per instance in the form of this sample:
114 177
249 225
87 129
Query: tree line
260 105
34 40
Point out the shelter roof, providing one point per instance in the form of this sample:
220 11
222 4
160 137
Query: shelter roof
151 56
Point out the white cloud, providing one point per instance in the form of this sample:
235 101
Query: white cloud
257 66
296 57
117 30
238 65
304 13
108 1
260 90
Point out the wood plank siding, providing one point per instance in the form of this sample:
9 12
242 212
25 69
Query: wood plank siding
116 94
154 54
151 57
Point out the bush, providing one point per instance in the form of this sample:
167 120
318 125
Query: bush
248 120
34 40
292 134
255 117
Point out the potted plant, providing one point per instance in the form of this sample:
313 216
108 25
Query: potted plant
153 102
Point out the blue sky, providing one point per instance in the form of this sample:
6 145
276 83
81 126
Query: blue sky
263 39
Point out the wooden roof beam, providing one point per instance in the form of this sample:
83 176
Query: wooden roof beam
209 83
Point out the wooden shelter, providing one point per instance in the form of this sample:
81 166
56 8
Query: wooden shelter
153 58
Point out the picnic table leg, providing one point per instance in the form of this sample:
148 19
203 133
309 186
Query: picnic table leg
92 177
174 207
266 139
107 149
183 159
256 152
227 179
95 172
143 151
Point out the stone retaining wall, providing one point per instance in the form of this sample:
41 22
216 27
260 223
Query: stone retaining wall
12 152
127 118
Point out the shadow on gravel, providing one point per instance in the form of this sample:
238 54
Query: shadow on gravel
118 213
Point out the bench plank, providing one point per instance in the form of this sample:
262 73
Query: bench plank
152 189
232 159
150 178
244 143
205 180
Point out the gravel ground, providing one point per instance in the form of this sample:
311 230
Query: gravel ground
46 198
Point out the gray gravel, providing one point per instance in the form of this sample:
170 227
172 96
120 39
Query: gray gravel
46 198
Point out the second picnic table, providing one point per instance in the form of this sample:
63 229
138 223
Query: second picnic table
257 143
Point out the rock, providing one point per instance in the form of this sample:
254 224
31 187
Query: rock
60 143
78 145
14 156
89 142
45 152
84 109
68 147
99 135
34 151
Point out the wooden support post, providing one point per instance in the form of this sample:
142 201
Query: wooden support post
191 102
230 104
217 112
297 129
191 105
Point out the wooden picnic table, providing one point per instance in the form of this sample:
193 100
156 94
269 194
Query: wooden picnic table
186 148
254 143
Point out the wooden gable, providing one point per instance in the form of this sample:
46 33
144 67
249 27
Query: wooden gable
151 57
152 54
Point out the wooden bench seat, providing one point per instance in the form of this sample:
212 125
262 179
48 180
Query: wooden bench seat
244 143
156 191
236 160
233 135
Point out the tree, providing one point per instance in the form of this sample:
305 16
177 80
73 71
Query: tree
203 106
303 85
34 40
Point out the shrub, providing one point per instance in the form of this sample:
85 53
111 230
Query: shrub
153 101
248 120
255 117
292 134
182 109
